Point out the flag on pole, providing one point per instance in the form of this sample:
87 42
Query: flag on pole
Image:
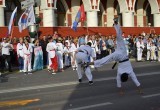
26 19
80 17
12 20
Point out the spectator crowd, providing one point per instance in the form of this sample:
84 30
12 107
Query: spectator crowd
56 53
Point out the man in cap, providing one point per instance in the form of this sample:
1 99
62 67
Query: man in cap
120 55
82 59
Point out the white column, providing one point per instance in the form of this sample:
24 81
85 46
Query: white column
1 16
128 19
156 20
92 19
49 18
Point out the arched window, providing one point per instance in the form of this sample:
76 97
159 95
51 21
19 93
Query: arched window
61 14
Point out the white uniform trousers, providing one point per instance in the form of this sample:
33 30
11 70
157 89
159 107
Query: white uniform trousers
60 59
159 55
49 62
153 55
80 59
139 54
148 54
105 60
27 63
91 59
75 64
66 60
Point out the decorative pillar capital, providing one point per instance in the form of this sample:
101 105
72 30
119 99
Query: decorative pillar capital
91 5
48 4
2 3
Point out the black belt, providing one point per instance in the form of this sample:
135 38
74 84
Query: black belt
123 60
119 62
83 51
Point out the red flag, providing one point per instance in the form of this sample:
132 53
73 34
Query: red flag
83 15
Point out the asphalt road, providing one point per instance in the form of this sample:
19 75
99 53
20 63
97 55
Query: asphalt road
43 91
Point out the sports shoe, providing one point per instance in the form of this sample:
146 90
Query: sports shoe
49 70
80 80
90 82
53 73
0 73
29 73
25 73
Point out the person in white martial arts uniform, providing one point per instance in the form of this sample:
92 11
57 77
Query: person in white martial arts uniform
27 50
72 51
140 47
149 42
51 49
120 55
94 47
82 59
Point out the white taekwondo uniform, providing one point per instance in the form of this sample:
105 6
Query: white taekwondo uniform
27 57
51 47
94 47
120 55
84 52
140 47
148 50
72 51
153 52
59 52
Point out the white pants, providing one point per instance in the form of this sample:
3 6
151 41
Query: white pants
153 55
139 54
66 62
60 59
80 59
49 62
159 55
75 64
27 63
148 55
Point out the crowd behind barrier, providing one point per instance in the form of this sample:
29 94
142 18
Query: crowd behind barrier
31 56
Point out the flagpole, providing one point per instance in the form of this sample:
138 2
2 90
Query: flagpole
87 28
11 34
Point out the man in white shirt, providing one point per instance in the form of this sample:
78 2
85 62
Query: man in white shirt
82 59
20 54
120 55
6 46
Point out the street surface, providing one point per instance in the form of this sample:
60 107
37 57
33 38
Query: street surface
44 91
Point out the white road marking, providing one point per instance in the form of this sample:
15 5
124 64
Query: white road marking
91 106
152 95
66 84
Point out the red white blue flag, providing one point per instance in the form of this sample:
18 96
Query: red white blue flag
12 20
26 19
80 17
